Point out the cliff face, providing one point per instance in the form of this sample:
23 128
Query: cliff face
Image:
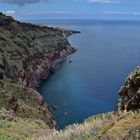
28 53
130 92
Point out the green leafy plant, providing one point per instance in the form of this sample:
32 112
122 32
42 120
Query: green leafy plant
8 69
3 137
17 41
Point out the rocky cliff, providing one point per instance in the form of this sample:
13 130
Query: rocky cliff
28 54
130 92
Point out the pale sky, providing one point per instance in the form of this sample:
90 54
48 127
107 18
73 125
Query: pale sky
72 9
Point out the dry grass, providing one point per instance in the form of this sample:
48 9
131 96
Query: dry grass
16 128
122 127
106 126
103 126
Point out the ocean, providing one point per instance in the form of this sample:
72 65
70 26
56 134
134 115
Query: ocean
107 52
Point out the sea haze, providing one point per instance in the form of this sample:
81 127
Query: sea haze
107 52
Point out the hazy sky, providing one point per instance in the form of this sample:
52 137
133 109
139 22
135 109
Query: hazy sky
72 9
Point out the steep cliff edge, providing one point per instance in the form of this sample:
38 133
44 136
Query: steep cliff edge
130 92
28 54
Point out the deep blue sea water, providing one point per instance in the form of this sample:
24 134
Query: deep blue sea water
107 52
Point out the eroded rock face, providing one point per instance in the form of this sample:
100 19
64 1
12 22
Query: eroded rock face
28 54
130 92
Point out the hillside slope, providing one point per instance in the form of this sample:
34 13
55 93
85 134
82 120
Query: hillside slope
28 54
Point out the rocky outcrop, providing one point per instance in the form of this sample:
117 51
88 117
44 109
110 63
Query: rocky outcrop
130 92
5 20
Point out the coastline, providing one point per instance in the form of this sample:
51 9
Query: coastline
64 56
53 68
29 54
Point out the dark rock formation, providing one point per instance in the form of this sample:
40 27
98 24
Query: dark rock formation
5 20
130 92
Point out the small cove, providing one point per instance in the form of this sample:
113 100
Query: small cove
90 84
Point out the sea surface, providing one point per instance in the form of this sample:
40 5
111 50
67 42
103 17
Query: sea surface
107 52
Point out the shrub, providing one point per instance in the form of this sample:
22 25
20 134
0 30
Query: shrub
17 41
106 128
1 30
8 70
3 137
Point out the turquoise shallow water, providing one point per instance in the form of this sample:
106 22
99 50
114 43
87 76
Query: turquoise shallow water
89 85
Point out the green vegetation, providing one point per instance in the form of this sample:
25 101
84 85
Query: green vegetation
17 41
106 128
3 137
31 129
8 69
16 128
98 128
1 31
